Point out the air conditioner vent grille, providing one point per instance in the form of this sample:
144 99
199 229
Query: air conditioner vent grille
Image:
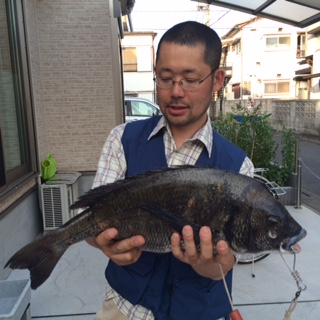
56 200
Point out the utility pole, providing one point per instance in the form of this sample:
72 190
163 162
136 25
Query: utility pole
205 8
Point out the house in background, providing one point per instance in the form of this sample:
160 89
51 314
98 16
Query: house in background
308 76
138 63
263 55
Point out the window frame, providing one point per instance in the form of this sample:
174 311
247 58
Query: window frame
19 56
236 47
143 108
130 66
276 84
301 45
277 47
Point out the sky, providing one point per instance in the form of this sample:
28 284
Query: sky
159 15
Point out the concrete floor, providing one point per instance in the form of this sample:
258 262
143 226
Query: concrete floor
76 287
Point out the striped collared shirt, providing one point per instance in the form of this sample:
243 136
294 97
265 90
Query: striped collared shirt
112 166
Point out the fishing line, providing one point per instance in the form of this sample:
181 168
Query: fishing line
300 285
235 313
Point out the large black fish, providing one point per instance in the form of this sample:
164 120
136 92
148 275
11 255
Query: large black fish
236 207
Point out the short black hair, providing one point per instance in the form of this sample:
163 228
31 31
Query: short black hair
192 33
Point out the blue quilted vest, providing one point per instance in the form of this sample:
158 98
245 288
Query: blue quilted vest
160 282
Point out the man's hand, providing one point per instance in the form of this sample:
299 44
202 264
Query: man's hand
123 252
204 262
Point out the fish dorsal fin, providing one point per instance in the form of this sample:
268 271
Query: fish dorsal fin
94 195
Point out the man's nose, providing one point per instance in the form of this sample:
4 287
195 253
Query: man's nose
176 89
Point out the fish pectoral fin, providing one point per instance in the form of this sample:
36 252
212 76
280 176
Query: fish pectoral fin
176 222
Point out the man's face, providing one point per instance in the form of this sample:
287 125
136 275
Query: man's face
179 106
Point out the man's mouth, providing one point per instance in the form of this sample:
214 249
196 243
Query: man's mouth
177 110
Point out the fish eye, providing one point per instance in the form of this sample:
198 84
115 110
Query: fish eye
273 222
272 234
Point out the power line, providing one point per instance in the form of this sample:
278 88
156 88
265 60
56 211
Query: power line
220 18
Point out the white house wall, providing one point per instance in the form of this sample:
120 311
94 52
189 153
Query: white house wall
313 40
144 58
315 82
255 64
140 83
313 48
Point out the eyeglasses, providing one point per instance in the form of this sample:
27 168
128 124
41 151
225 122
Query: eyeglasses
188 84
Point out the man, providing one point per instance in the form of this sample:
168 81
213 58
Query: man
184 284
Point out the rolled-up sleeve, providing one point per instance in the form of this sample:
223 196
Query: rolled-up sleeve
247 168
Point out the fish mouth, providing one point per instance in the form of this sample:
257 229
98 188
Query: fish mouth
291 244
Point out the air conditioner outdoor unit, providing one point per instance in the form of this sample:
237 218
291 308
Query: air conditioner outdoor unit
55 201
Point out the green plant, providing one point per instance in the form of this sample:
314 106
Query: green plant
281 172
249 128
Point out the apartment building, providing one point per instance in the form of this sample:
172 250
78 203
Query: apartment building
264 58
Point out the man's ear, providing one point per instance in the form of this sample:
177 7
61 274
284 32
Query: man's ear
219 76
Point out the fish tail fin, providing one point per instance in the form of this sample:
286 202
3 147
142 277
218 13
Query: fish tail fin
40 257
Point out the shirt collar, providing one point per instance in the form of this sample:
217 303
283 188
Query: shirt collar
205 134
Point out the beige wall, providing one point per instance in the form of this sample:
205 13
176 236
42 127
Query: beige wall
74 63
76 81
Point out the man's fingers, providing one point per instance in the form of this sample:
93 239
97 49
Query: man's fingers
225 255
176 245
206 242
129 257
106 238
189 244
223 249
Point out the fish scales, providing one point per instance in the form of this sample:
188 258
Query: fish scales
237 208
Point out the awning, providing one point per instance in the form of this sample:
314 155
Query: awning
299 13
306 77
236 40
307 60
305 71
310 76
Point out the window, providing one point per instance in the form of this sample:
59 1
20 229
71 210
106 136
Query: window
236 90
237 47
301 45
246 88
273 88
17 147
143 109
140 108
276 43
129 59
